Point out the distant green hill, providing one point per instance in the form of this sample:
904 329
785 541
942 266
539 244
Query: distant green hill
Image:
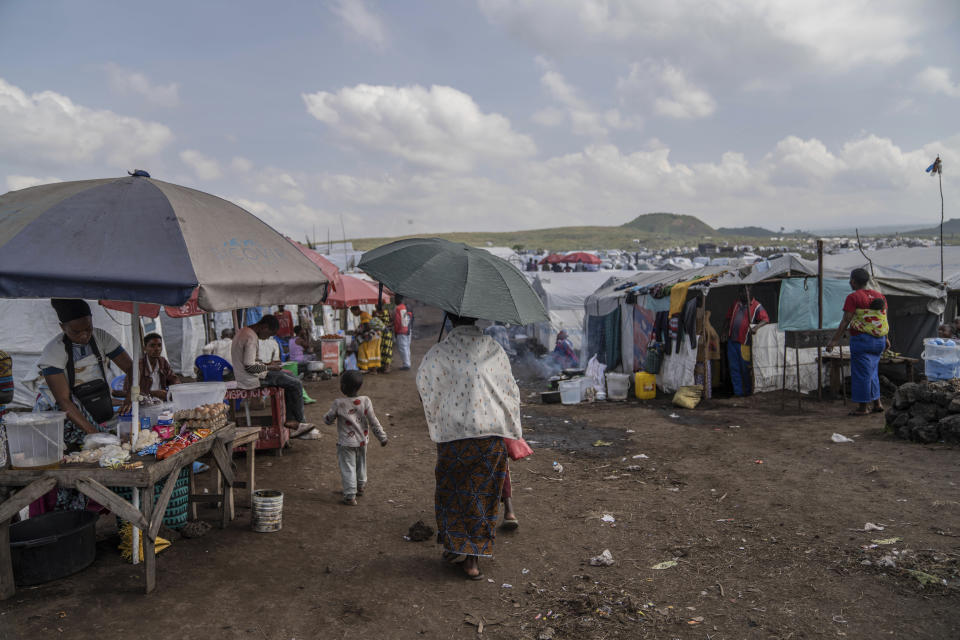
652 230
950 227
752 232
673 224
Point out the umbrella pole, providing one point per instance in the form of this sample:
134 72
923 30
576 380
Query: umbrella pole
135 409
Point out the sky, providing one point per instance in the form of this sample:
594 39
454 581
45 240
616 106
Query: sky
376 118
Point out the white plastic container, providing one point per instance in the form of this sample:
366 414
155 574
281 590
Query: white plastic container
196 394
618 386
586 382
35 439
941 361
569 391
153 411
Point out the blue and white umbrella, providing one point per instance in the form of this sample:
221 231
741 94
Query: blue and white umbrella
138 239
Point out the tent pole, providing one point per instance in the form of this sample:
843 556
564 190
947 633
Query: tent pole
135 418
819 317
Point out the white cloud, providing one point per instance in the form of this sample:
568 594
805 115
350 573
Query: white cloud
50 127
668 89
937 80
582 118
276 183
361 21
836 35
439 127
15 183
239 164
205 167
126 81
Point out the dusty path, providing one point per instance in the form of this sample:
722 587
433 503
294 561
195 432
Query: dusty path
762 550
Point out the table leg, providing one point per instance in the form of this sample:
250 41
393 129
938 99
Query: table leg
191 492
7 586
909 371
836 377
149 554
251 465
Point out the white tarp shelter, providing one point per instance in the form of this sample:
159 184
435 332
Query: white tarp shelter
563 296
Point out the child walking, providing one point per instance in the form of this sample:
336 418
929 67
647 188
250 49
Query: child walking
354 415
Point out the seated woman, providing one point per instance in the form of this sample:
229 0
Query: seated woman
156 374
300 348
564 353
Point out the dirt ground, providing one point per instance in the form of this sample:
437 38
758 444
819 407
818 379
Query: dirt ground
761 512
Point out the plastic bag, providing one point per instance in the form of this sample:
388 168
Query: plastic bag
595 370
97 440
517 449
688 397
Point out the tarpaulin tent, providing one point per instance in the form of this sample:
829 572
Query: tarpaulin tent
913 304
563 296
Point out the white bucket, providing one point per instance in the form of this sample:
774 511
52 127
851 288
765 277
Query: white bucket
267 511
618 386
569 391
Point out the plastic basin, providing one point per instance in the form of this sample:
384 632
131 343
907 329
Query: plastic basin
52 545
35 439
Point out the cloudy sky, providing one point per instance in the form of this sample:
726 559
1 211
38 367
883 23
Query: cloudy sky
416 117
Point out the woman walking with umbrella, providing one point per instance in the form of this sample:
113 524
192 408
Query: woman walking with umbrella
471 403
470 399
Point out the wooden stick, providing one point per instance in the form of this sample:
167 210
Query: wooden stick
162 500
25 496
93 489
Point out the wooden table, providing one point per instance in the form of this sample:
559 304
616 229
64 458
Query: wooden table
92 481
245 436
839 360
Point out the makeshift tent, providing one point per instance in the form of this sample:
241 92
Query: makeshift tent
923 262
621 313
563 296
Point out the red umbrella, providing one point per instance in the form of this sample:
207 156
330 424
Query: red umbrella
581 256
190 308
351 291
553 258
329 269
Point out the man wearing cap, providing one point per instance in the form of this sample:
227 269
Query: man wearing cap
74 366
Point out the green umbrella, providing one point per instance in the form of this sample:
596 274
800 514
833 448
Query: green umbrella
462 280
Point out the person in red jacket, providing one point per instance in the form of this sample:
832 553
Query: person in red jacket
402 325
745 316
285 318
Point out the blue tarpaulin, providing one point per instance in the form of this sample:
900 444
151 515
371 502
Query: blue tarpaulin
798 303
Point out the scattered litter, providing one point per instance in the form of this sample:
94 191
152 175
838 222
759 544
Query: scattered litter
872 527
407 538
697 620
506 585
887 561
605 559
602 443
758 461
734 426
489 579
673 415
725 520
633 467
674 489
641 456
525 571
557 467
840 439
630 431
613 477
546 634
886 540
925 578
608 518
664 565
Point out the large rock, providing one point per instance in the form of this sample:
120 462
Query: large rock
896 419
927 411
942 398
950 428
927 433
954 406
906 395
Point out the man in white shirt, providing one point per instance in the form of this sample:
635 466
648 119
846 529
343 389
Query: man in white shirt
269 351
221 347
252 372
